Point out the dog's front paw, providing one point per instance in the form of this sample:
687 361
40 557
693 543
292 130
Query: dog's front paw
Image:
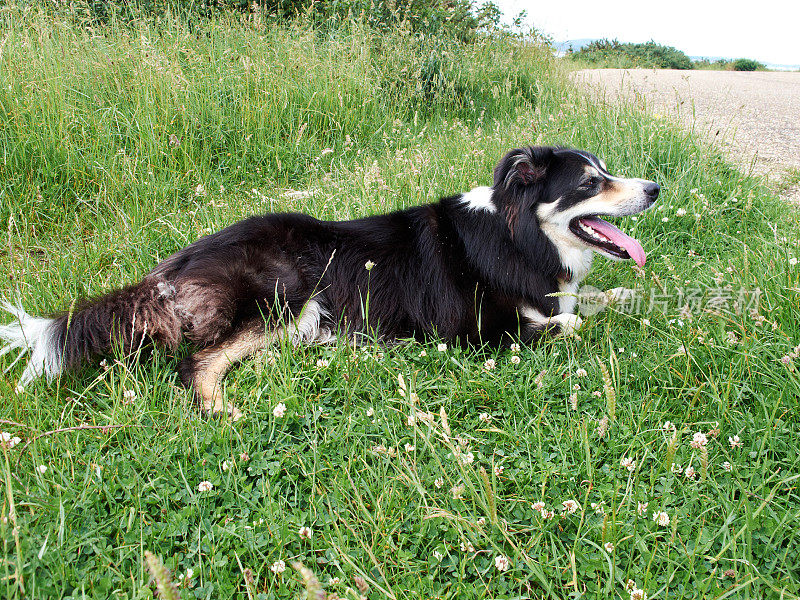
568 323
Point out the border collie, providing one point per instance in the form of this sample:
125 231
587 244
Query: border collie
479 267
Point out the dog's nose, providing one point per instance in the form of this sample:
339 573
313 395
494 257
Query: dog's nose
652 189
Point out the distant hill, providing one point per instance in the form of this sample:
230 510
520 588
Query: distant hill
562 47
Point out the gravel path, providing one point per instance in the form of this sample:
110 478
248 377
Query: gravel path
754 116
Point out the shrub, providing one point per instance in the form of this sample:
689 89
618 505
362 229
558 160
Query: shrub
612 53
747 64
458 19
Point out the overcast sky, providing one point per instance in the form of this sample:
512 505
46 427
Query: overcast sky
768 31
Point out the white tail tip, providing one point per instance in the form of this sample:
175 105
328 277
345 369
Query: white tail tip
34 335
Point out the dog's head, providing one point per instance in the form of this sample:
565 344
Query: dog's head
567 191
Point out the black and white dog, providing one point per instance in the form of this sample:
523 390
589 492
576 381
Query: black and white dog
480 267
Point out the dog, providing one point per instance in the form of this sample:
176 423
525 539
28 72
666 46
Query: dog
493 265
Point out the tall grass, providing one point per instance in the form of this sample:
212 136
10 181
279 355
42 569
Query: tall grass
386 472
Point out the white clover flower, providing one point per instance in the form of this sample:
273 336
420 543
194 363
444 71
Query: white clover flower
661 518
439 482
438 555
226 465
669 426
793 261
410 447
726 466
602 426
484 417
489 365
628 463
466 458
676 468
538 506
457 491
442 347
637 594
129 394
498 470
42 469
482 521
467 546
334 581
423 354
681 212
279 411
370 412
501 563
200 190
581 373
322 363
699 440
690 472
570 506
735 442
369 265
304 533
609 547
278 567
515 360
642 508
515 347
5 437
205 486
598 508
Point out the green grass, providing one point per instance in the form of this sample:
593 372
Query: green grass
94 194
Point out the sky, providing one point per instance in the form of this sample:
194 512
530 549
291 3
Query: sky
766 31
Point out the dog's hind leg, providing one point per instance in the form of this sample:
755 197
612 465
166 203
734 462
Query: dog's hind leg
203 371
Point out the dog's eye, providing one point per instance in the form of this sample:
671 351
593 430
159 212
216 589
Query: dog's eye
590 183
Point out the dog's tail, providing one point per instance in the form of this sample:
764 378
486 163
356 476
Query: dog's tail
122 319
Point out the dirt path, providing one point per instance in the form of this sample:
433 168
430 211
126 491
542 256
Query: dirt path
755 115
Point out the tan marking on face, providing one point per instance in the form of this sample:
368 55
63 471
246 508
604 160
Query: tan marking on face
617 192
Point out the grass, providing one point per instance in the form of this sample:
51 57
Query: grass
95 191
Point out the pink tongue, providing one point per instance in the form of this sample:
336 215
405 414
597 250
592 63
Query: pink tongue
621 239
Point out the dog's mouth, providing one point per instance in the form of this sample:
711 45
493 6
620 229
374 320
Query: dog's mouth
607 239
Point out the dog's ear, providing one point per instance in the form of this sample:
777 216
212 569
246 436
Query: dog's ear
523 166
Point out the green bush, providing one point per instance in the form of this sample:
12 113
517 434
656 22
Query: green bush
458 19
747 64
614 54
